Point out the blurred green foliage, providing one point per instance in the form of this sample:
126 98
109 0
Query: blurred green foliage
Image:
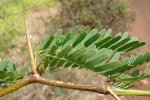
9 73
94 13
12 14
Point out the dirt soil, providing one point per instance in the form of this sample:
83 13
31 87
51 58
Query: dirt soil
141 26
141 29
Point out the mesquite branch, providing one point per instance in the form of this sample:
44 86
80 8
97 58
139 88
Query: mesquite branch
37 78
99 88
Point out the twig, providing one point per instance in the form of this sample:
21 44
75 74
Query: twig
124 92
38 79
32 61
14 87
99 88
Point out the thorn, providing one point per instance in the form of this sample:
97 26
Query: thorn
32 59
112 93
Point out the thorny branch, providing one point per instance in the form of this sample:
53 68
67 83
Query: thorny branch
36 78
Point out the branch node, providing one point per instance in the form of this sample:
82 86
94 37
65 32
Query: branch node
112 93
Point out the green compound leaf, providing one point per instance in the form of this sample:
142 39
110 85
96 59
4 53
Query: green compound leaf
96 51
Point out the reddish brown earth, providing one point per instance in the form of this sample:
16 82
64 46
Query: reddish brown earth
141 29
141 26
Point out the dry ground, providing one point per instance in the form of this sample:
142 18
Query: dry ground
141 29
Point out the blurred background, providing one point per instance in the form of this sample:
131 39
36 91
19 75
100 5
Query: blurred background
47 16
